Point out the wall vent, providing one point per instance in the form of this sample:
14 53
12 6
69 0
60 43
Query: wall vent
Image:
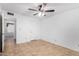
9 13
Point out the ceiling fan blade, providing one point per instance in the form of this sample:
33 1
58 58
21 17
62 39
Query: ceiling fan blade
49 10
40 6
32 9
35 14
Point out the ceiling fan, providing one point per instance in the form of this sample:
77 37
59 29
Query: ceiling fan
40 10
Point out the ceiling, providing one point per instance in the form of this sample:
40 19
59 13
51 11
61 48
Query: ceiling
22 7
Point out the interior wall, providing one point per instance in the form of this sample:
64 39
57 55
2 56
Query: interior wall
26 28
62 29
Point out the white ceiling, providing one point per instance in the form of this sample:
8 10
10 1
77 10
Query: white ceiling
22 7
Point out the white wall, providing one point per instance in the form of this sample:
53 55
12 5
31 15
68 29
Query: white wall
62 29
26 28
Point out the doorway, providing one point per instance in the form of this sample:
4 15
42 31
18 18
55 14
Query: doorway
9 34
10 29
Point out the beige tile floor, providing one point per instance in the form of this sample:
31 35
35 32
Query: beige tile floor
36 48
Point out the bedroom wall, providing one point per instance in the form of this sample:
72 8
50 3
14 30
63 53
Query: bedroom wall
62 29
27 28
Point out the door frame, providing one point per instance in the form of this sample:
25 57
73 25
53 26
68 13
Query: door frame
3 30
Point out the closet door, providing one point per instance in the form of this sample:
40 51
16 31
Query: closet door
0 33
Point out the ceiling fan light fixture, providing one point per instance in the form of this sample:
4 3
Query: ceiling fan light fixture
41 14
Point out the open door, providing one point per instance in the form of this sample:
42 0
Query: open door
0 33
